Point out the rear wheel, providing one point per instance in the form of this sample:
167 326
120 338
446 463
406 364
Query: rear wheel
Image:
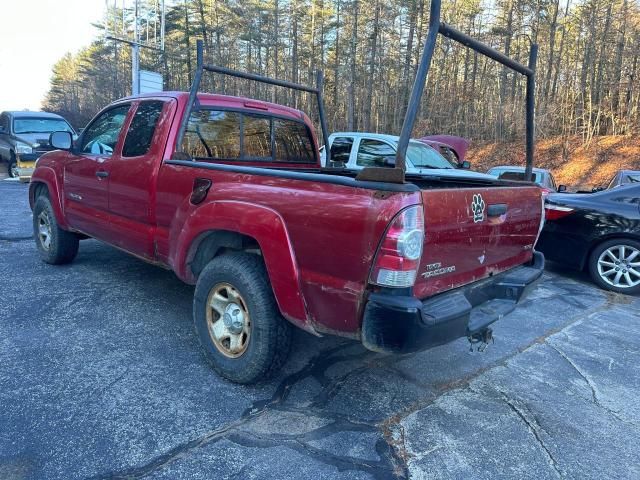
243 335
55 245
615 265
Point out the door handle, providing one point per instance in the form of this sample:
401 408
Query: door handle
102 174
497 209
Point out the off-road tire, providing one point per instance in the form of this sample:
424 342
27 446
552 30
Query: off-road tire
593 264
270 338
63 246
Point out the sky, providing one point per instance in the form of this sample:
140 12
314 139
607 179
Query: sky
34 34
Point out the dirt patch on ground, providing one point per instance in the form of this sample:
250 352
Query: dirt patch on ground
572 163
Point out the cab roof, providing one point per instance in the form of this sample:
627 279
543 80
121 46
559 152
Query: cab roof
215 99
32 114
519 169
374 136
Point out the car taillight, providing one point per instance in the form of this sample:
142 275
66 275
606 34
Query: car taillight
398 257
555 212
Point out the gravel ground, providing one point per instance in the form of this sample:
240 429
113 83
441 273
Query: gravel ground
101 376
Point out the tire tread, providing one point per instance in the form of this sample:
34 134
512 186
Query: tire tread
272 354
64 245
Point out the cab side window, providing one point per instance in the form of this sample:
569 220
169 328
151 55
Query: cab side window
101 137
341 149
142 128
374 153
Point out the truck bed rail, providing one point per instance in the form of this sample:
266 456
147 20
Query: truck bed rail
396 174
435 27
201 67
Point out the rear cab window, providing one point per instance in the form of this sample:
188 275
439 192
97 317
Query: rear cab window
242 136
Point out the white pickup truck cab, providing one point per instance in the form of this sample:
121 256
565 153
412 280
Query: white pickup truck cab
357 150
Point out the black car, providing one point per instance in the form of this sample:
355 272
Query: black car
599 232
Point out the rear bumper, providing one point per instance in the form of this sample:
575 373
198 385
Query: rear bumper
402 324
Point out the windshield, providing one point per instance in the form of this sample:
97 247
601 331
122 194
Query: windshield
40 125
631 178
624 179
423 156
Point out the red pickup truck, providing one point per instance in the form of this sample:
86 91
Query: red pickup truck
250 218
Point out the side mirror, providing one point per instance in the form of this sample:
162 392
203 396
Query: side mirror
61 140
2 130
562 188
465 165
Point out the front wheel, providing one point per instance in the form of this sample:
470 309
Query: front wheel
55 245
12 168
243 335
615 265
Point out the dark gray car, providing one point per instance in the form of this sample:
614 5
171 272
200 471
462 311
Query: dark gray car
624 177
541 176
25 135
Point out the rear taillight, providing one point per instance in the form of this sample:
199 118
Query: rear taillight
398 258
556 212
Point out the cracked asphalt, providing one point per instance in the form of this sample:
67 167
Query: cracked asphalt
101 376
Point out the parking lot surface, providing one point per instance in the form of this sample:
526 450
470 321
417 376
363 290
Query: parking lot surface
101 376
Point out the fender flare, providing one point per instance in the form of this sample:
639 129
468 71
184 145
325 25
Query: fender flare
47 176
261 223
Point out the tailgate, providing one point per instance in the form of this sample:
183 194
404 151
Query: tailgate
474 233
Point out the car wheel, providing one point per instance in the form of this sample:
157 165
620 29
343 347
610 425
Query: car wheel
243 335
615 265
12 168
55 245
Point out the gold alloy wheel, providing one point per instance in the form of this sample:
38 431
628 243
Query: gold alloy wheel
228 320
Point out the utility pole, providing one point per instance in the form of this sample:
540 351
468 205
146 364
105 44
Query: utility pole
135 54
136 43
